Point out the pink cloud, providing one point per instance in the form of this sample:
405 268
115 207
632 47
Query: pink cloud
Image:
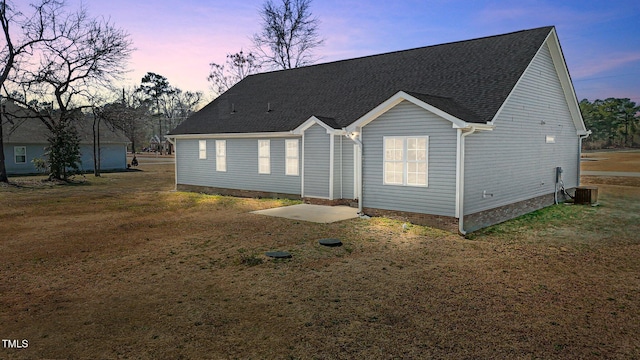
599 65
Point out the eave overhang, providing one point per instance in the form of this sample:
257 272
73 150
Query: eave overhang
280 134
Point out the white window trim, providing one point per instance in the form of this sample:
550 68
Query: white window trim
15 155
266 156
202 149
405 160
296 170
221 156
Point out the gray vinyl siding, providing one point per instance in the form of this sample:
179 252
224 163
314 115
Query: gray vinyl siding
343 168
113 157
337 167
316 162
407 119
33 151
242 166
514 162
347 168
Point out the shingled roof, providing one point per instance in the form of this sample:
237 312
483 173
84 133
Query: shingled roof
467 79
25 128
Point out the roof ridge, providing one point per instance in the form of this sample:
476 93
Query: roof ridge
550 27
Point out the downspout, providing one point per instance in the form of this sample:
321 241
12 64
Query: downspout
461 189
581 137
355 139
341 168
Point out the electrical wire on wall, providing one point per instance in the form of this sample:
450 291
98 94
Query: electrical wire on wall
559 186
564 191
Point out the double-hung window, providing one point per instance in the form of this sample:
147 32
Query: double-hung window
20 154
264 157
406 160
202 149
292 157
221 155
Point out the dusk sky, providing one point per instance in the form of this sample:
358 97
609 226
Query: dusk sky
178 39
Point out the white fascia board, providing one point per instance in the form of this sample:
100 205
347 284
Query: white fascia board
395 100
313 121
562 70
280 134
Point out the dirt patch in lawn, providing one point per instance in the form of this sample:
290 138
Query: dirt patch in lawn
123 267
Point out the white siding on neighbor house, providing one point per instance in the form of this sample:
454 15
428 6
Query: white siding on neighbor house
514 162
407 119
317 145
241 168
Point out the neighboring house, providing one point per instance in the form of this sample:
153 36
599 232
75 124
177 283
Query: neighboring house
26 139
464 134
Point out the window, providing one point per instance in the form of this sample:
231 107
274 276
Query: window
20 154
202 148
264 157
393 161
221 155
292 157
405 160
417 161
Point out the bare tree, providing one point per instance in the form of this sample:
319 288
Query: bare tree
289 34
21 33
131 113
179 105
170 105
86 53
237 67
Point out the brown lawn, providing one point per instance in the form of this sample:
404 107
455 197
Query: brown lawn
612 161
123 267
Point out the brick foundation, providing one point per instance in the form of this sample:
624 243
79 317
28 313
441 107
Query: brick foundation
447 223
472 222
236 192
482 219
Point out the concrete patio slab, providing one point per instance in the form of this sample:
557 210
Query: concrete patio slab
313 213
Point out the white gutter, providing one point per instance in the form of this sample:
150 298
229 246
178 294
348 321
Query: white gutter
461 181
355 139
265 135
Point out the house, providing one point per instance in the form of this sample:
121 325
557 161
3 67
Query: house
25 139
459 135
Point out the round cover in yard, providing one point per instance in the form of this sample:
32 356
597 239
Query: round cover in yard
330 242
278 254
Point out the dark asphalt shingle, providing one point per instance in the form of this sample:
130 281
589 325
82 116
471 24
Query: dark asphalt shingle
468 79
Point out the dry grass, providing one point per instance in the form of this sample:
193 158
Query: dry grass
612 161
123 267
